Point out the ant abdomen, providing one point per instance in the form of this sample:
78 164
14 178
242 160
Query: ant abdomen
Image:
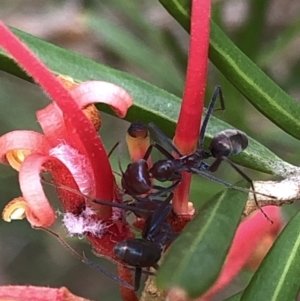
138 252
228 143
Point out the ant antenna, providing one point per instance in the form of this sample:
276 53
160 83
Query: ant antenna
85 260
217 180
101 202
252 186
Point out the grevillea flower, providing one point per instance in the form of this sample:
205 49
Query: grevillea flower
70 149
254 237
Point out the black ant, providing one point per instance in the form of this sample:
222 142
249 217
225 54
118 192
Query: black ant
136 253
137 178
145 252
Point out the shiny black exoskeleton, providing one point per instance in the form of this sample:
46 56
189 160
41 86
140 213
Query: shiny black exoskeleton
146 251
137 178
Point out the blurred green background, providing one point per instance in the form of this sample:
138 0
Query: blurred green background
139 37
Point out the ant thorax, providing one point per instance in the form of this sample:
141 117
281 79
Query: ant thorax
163 170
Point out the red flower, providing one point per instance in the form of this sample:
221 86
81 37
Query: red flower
70 150
254 236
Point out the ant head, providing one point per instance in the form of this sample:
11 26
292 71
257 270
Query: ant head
228 143
220 146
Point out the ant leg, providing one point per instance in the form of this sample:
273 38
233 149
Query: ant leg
148 152
156 266
85 260
137 278
160 149
215 165
163 190
240 172
164 236
100 202
153 221
161 138
121 206
144 271
163 151
113 149
62 241
217 180
217 92
107 273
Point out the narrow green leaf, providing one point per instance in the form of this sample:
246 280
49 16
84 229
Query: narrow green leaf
277 278
208 237
281 42
251 81
151 104
127 46
255 156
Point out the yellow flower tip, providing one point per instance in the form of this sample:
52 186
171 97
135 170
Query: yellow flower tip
15 210
89 111
93 116
138 140
16 157
67 81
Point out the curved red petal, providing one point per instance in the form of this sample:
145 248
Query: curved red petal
78 126
25 140
33 193
247 237
52 123
102 92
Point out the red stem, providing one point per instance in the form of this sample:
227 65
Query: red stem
188 126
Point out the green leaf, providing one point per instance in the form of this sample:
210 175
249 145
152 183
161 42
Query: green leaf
251 81
278 276
127 46
208 237
255 156
236 297
279 45
151 104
